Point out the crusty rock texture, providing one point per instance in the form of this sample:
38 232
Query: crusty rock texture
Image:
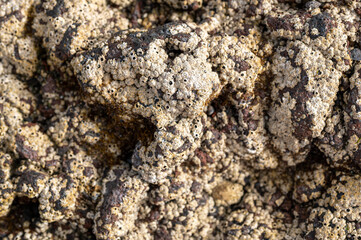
180 119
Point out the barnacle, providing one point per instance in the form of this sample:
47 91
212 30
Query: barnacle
180 119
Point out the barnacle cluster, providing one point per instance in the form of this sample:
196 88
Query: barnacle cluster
180 119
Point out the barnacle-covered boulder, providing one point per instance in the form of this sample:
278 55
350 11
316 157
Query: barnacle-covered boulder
122 194
162 75
303 94
67 27
337 214
17 46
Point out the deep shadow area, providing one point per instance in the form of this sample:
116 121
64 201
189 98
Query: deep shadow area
126 134
23 210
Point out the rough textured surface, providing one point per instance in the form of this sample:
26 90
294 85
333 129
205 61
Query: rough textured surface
17 47
303 93
180 119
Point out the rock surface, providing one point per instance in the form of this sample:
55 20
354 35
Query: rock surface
180 119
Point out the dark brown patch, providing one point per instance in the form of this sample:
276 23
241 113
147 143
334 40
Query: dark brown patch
135 42
186 145
23 150
280 23
16 52
115 191
203 157
196 187
182 37
243 31
62 51
30 177
93 54
58 9
136 159
300 117
175 186
162 234
303 189
323 22
154 215
241 65
251 11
